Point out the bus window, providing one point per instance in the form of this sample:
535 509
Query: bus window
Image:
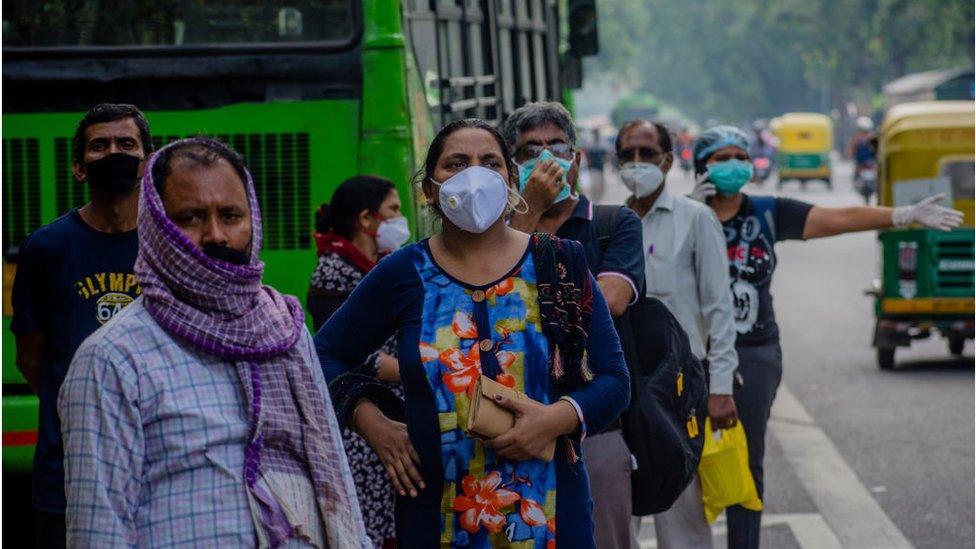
538 55
452 60
539 66
476 48
458 63
421 28
524 54
506 54
140 23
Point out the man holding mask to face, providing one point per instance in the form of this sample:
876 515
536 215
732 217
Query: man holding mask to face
73 276
543 139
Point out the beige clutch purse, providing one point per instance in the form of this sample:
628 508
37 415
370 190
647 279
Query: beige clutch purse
487 419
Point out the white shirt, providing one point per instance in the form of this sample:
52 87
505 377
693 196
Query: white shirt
687 268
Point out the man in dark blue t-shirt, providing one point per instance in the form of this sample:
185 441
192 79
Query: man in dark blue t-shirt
543 140
73 276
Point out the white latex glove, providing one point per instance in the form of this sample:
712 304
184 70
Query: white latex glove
927 213
704 189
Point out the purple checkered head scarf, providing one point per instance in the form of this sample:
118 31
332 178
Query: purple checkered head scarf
224 310
220 307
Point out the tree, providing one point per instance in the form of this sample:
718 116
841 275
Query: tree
736 60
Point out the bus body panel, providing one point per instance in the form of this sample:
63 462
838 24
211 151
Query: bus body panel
297 152
374 110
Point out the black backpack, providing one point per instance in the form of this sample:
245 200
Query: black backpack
669 396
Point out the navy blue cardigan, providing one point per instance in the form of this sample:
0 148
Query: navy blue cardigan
390 300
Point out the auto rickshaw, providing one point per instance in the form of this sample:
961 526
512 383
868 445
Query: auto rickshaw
926 281
805 142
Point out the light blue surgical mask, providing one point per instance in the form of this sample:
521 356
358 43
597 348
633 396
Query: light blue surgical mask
525 170
730 176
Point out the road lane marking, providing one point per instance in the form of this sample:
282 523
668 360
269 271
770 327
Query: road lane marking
845 503
809 529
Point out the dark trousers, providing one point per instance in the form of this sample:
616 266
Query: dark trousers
608 464
50 530
761 368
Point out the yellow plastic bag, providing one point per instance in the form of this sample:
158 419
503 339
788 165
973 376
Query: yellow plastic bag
724 472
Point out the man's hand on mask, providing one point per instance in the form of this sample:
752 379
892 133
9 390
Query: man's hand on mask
544 184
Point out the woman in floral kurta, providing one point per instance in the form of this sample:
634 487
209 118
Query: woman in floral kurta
473 499
448 333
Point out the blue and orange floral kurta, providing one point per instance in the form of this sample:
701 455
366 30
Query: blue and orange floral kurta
449 334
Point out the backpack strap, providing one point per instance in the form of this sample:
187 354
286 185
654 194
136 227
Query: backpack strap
765 208
604 217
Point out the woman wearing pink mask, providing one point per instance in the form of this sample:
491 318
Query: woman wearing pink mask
362 224
480 299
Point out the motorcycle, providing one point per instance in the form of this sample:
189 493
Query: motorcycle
763 168
762 155
684 154
866 181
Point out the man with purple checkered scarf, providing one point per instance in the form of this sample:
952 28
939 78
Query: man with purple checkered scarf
199 416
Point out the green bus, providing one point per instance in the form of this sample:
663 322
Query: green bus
311 92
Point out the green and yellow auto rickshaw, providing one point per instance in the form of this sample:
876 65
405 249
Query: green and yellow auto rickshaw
806 140
926 281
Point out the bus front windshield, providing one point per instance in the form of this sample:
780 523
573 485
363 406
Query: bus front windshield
141 23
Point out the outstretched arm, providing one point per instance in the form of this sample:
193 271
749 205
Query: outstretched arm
833 221
823 222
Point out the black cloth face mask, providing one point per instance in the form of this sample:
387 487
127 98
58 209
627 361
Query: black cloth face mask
117 173
226 253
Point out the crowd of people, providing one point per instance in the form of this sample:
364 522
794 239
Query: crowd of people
197 409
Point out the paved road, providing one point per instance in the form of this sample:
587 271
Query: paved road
856 457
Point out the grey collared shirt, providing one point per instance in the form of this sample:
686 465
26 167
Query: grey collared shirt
688 269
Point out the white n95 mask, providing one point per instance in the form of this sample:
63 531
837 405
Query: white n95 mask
641 178
392 233
473 199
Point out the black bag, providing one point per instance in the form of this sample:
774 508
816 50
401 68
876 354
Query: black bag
669 396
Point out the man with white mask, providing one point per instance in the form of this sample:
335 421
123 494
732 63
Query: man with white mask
686 268
543 142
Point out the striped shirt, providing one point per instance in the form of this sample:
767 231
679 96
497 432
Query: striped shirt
154 433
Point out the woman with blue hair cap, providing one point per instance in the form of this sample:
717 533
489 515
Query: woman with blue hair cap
753 225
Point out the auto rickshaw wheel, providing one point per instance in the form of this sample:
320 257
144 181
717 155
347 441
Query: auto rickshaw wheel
956 345
886 359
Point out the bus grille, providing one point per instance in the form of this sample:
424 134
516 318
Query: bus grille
21 190
279 163
68 191
955 266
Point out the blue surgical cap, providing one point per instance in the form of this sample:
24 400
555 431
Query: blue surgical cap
717 137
